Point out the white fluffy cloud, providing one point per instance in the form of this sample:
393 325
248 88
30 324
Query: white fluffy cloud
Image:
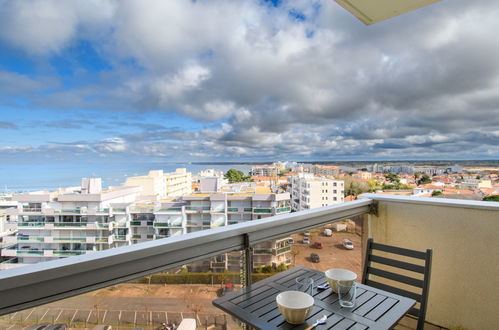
303 78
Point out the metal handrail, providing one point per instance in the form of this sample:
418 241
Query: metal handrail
41 283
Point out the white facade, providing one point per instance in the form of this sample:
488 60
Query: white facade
158 183
74 221
308 192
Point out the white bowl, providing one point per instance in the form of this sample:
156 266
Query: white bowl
295 306
337 274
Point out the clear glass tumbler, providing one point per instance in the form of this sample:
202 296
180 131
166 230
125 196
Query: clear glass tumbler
347 293
305 284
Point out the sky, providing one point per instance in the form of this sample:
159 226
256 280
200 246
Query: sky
103 81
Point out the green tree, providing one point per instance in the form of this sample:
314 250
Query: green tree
425 179
436 193
392 177
493 198
235 176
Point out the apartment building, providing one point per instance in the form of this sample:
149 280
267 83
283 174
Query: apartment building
80 220
309 191
325 170
67 222
203 211
265 170
163 185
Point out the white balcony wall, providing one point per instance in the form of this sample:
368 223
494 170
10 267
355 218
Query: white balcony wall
464 237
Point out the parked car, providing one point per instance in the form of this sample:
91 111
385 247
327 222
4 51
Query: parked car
317 245
347 244
291 241
306 240
328 232
306 233
228 287
314 257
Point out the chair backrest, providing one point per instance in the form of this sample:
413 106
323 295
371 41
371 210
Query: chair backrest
421 286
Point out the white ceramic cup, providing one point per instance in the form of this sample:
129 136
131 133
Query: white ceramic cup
295 306
337 274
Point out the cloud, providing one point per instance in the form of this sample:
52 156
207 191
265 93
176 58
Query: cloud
313 83
7 125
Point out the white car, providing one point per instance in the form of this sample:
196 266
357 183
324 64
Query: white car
347 244
306 240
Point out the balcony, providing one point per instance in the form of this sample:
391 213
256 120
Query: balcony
68 253
260 210
78 225
232 209
167 224
31 210
282 250
198 209
68 239
29 239
283 209
30 224
463 235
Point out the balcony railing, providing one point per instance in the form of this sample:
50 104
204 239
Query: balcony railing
30 224
66 253
70 224
283 250
69 239
463 235
283 209
31 209
260 210
27 239
232 209
29 253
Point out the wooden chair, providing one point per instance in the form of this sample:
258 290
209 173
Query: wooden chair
420 285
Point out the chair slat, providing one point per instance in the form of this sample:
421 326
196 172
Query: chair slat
398 264
392 289
414 312
396 277
398 250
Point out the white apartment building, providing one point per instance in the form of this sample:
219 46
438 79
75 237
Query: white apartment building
80 220
309 191
325 170
66 222
265 170
163 185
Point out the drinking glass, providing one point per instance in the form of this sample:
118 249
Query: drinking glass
305 284
347 293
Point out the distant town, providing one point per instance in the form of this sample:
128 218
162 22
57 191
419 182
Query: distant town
40 226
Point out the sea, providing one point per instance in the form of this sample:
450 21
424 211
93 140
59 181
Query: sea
19 178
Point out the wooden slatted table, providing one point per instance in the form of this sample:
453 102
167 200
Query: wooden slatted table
256 305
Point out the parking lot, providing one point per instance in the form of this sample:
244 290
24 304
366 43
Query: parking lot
332 255
128 306
84 318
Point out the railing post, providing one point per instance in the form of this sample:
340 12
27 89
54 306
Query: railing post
248 260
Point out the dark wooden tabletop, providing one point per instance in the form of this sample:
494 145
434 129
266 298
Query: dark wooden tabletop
256 305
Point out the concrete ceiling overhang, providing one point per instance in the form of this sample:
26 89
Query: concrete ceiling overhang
372 11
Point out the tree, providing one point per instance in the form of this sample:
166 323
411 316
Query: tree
436 193
392 177
493 198
235 176
425 179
